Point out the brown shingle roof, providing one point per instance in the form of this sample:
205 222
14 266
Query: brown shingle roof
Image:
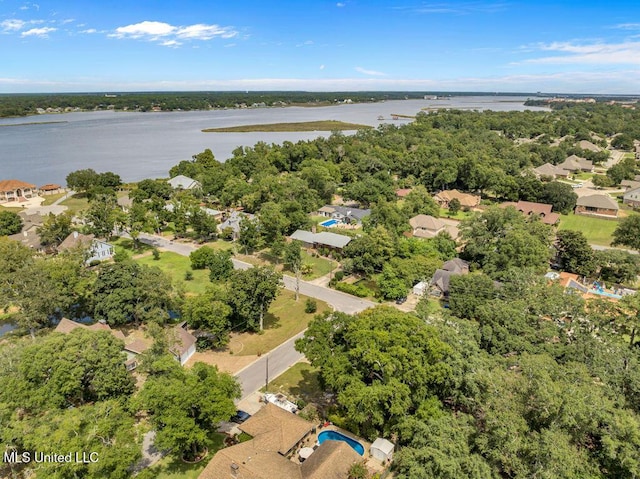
402 192
284 429
465 199
65 326
426 222
75 239
50 187
332 460
250 461
12 185
598 201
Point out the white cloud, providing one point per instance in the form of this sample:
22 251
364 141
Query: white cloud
595 54
169 35
364 71
340 4
628 26
321 67
89 30
38 32
12 25
451 8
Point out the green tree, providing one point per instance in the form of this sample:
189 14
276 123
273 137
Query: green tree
273 222
617 266
220 265
371 250
127 291
420 202
10 222
208 313
185 404
391 286
627 233
454 206
251 292
293 260
55 229
574 253
202 257
103 215
82 180
560 195
382 363
249 235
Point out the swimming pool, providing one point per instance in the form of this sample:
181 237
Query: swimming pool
336 436
329 223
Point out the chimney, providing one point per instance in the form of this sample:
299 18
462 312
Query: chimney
25 234
234 470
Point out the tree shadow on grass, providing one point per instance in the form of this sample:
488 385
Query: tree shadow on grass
308 388
271 321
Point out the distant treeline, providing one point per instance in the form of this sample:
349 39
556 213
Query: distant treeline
31 104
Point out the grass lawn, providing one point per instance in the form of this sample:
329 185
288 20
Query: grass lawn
127 245
173 468
597 231
175 266
50 199
583 176
285 319
76 204
460 215
321 266
299 381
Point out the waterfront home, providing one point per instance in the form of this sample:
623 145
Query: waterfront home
182 182
65 326
98 250
50 189
597 205
466 200
344 214
16 191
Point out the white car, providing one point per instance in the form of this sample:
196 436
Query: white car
579 185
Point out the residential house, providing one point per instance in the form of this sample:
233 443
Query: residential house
30 221
323 239
575 164
344 214
426 226
466 200
597 205
587 145
182 348
98 250
16 190
542 210
232 220
439 284
630 184
402 192
217 214
29 238
182 182
50 189
65 326
550 170
632 197
276 436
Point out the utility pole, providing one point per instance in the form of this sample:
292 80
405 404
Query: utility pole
266 378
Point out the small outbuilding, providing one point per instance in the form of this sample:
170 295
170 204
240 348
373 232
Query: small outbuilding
382 449
420 288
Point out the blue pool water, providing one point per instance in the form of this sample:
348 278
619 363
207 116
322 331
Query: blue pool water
336 436
329 223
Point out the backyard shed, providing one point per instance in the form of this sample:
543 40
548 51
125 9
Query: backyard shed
420 288
382 449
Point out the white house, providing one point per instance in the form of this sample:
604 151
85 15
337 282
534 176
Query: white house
97 249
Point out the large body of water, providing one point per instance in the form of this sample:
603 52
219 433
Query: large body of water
145 145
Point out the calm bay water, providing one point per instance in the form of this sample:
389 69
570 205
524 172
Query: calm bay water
146 145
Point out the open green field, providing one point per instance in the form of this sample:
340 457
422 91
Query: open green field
460 215
285 319
173 468
76 204
323 125
597 230
299 381
175 266
51 199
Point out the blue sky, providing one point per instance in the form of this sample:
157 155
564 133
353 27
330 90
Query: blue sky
130 45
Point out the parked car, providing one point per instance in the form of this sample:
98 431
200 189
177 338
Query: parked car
577 185
240 416
401 300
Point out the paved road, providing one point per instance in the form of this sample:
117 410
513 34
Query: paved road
598 247
338 300
254 376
